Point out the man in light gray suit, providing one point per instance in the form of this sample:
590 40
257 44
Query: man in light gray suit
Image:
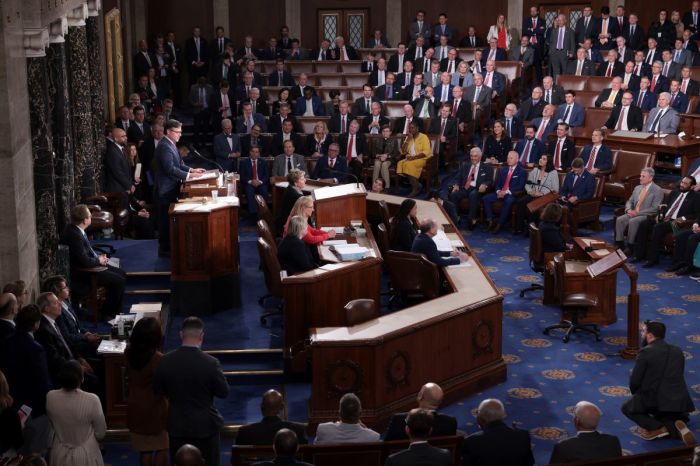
479 95
524 54
644 201
683 57
562 46
662 119
287 161
420 27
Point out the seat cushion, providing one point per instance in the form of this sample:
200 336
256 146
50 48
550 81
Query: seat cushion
579 300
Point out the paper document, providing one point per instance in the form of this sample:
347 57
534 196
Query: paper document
338 230
457 243
111 347
442 241
185 206
145 307
209 175
334 242
137 171
329 267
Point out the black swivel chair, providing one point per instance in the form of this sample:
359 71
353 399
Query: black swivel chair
536 258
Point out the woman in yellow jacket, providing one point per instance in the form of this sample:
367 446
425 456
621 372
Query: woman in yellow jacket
415 151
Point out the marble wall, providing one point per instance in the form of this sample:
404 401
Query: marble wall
93 36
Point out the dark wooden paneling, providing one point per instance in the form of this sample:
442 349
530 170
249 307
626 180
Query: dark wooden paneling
179 16
648 12
309 17
261 19
459 15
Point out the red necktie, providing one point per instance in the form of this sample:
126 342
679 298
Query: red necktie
351 141
255 169
653 84
506 185
557 155
454 108
591 159
608 73
543 125
636 69
526 153
684 87
470 178
621 119
442 127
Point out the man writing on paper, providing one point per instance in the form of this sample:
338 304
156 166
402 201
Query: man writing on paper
171 171
424 244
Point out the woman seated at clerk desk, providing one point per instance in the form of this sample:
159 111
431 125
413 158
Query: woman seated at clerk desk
294 256
404 226
497 144
543 179
550 229
304 207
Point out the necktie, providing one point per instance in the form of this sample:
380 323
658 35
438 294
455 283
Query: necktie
605 26
323 54
221 45
444 94
351 141
621 119
419 52
389 92
470 178
492 54
642 196
655 124
405 127
247 91
375 129
579 68
279 79
560 39
380 80
366 105
451 68
476 93
454 108
650 56
508 128
369 66
619 21
677 56
249 124
673 99
631 30
653 83
254 105
591 158
585 22
342 126
62 340
640 99
472 40
442 127
566 114
637 69
255 169
557 154
608 73
125 123
573 185
506 185
224 103
289 165
543 125
589 54
665 73
201 97
488 79
526 153
548 97
695 18
533 38
196 43
684 86
671 214
612 97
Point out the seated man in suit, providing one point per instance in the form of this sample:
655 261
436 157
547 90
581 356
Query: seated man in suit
562 148
353 148
612 96
331 168
285 446
496 444
626 117
571 112
349 429
429 400
423 244
280 76
582 66
532 107
471 183
294 190
287 134
254 139
309 105
510 183
644 98
588 444
630 81
419 425
389 90
493 52
689 86
611 67
82 256
363 104
679 101
227 146
662 119
264 432
493 79
254 178
552 93
579 185
288 160
513 124
257 102
374 122
529 148
285 113
596 156
645 200
546 124
426 106
245 122
658 82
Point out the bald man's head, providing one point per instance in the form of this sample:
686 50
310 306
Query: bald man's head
586 416
430 396
119 136
272 403
189 455
8 306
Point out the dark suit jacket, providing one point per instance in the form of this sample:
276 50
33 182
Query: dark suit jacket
296 92
408 91
647 103
294 255
552 239
613 31
586 446
56 353
215 104
322 170
191 50
373 79
464 110
316 104
263 432
118 177
657 380
584 189
536 150
618 69
445 62
141 65
497 445
217 74
269 54
190 379
358 107
587 69
517 180
636 41
424 244
443 425
450 127
635 119
258 119
335 122
364 127
418 454
329 54
263 144
484 176
222 149
79 248
393 63
517 128
23 361
467 42
603 159
360 144
70 328
693 88
690 209
171 169
576 117
6 330
287 79
680 102
500 55
400 122
604 96
632 83
431 106
278 143
134 134
528 110
274 124
582 32
382 92
311 144
662 84
549 129
567 154
245 168
402 236
289 197
537 31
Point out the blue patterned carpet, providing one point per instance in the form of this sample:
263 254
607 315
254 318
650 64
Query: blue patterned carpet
545 376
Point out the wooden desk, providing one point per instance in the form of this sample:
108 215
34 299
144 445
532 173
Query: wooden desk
454 340
279 187
578 280
204 260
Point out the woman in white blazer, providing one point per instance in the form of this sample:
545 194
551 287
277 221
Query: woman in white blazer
500 32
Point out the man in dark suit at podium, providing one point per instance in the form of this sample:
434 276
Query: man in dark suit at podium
171 171
263 432
429 399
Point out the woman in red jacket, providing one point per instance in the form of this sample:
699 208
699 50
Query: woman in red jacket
304 207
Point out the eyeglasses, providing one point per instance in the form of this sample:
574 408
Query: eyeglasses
176 131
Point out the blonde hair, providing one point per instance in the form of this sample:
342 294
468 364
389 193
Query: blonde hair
5 398
323 125
300 205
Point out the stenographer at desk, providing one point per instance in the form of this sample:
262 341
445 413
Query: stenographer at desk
424 244
294 256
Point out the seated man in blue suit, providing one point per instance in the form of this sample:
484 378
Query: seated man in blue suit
530 148
493 52
423 244
579 185
471 183
644 98
570 112
546 124
679 101
596 156
331 167
245 122
309 105
511 181
254 178
227 146
493 79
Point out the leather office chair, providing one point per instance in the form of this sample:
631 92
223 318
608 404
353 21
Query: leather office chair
574 303
625 177
265 214
101 220
112 203
95 296
265 233
587 211
383 239
536 258
413 276
358 311
273 281
386 217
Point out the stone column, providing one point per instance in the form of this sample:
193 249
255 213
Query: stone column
292 17
515 20
81 108
221 16
94 36
393 22
35 43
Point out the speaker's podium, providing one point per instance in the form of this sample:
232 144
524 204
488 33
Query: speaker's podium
204 255
337 205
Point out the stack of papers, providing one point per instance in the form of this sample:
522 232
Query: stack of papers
338 230
111 347
350 252
442 241
335 242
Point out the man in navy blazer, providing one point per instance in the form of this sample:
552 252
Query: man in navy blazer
471 183
254 178
423 244
498 54
514 125
529 148
679 101
170 173
605 41
493 79
280 76
561 148
316 104
245 122
331 167
579 185
644 98
510 182
602 156
546 124
571 112
227 146
118 178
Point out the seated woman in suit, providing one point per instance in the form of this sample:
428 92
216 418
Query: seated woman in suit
550 229
497 144
543 179
293 254
304 207
282 98
463 77
404 226
318 142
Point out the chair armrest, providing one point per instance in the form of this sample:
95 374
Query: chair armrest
91 269
619 211
96 199
94 208
630 178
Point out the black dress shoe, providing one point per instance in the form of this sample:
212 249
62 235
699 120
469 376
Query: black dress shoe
650 264
684 271
675 267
